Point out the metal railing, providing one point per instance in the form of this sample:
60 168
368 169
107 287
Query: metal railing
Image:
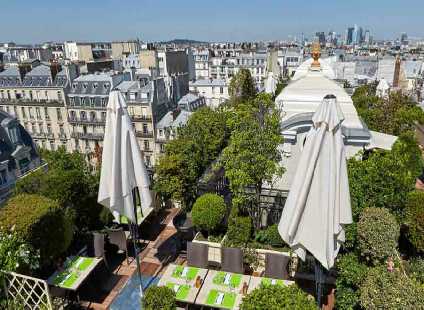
87 136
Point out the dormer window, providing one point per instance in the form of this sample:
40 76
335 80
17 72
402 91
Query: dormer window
106 86
95 85
74 85
85 85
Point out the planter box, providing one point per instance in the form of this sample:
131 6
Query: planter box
214 253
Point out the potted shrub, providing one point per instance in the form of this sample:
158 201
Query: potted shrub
278 297
208 212
159 297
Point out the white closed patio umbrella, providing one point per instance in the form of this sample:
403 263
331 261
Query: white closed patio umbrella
318 204
123 173
270 84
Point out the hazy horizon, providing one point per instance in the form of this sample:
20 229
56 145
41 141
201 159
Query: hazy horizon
233 20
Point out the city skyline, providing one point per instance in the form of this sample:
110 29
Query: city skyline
236 21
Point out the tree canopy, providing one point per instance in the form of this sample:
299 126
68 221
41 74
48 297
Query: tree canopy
187 156
242 86
393 115
252 155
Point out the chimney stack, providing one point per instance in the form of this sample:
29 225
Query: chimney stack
396 77
55 68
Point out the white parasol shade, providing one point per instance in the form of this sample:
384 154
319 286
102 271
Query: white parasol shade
270 84
318 204
123 167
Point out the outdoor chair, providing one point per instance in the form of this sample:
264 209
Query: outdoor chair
99 246
117 237
276 266
232 260
197 255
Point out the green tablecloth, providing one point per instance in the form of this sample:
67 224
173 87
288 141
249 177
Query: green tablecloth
227 302
268 281
73 268
182 292
191 273
235 279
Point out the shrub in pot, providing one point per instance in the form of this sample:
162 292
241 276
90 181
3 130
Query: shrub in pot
208 212
278 297
159 297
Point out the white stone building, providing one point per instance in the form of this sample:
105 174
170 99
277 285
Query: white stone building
215 91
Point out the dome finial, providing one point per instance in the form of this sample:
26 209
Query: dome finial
316 53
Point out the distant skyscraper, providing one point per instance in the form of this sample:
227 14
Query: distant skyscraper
349 35
360 36
321 37
404 39
367 37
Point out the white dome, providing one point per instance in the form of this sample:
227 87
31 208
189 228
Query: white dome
326 67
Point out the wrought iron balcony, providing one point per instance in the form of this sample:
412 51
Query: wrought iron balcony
87 136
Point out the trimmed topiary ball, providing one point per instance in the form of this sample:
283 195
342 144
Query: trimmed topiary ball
208 212
378 234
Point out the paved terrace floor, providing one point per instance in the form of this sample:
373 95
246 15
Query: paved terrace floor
160 248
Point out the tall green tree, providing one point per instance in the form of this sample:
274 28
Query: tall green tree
70 182
252 156
242 86
393 115
186 158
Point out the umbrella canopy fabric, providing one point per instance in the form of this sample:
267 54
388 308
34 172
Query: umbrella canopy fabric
123 167
270 84
318 204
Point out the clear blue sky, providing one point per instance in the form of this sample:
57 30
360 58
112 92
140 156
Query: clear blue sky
217 20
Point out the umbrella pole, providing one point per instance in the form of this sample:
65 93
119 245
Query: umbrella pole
134 228
319 275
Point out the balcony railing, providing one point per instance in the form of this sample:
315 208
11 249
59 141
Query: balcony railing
140 118
87 136
79 120
144 134
33 102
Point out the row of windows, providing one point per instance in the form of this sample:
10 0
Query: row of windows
29 95
88 101
95 85
73 115
29 111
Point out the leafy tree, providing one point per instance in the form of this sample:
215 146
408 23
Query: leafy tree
242 86
390 290
252 156
39 221
187 156
159 297
281 84
270 236
415 269
70 182
393 115
385 178
275 297
16 255
208 212
378 234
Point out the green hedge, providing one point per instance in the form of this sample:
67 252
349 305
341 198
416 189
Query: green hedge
159 297
415 219
208 212
270 236
239 231
351 273
390 290
40 222
278 297
378 234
